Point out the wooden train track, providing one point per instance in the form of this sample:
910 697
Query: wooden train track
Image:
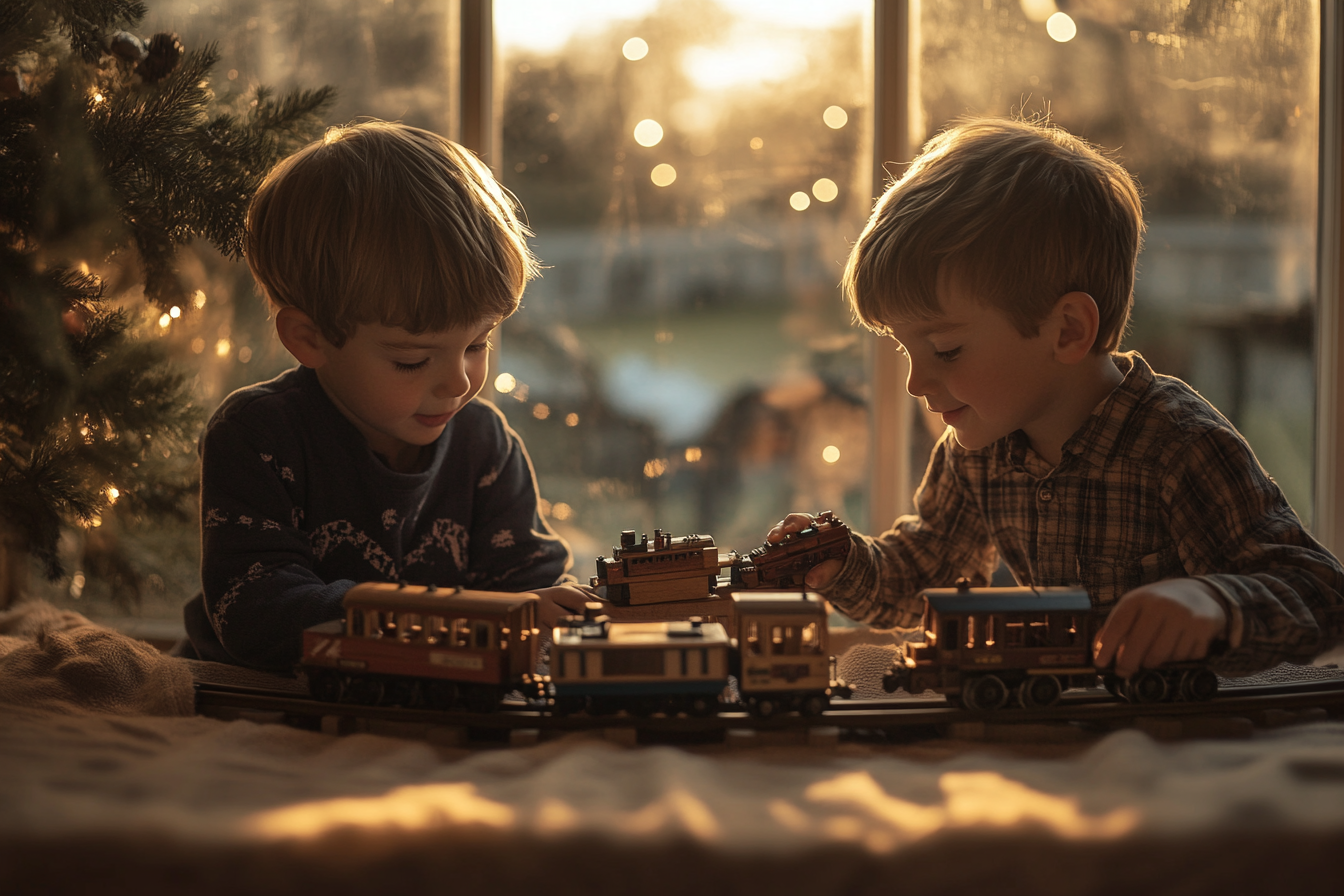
1235 710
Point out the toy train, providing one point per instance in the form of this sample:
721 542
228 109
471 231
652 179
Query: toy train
686 568
458 649
986 648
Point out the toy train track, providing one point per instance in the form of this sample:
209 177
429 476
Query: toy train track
1265 704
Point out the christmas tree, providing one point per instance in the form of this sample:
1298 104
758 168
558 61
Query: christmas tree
114 153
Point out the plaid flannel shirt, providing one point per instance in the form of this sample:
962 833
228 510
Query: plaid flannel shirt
1156 484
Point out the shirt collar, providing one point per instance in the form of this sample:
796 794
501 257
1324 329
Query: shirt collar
1093 442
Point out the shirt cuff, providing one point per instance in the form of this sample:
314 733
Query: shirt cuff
1236 620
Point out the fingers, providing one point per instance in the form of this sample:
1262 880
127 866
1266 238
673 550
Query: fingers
794 522
1113 632
820 576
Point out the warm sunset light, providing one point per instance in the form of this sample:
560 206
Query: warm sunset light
165 319
505 383
648 133
743 63
693 455
825 189
541 410
800 201
757 143
835 117
223 347
830 454
1060 27
655 468
571 419
635 49
561 511
663 175
174 312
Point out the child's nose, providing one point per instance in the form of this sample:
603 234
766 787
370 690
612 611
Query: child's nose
455 383
917 383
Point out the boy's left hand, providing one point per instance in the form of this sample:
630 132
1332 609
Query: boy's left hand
559 601
1167 621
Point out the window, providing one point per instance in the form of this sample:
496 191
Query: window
694 181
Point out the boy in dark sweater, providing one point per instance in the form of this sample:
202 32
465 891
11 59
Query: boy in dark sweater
389 255
1002 263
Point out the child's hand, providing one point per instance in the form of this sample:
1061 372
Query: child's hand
819 577
559 601
1167 621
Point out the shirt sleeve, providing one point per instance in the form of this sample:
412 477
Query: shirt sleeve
944 540
512 546
1235 531
257 567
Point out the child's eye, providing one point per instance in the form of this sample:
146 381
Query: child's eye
949 355
410 367
483 346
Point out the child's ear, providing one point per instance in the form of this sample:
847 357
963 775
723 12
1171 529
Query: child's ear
301 337
1076 321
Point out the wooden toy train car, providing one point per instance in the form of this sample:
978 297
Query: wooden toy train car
779 659
458 649
785 563
986 648
410 644
665 570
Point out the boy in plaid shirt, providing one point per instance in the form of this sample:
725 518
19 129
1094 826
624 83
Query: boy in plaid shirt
1003 264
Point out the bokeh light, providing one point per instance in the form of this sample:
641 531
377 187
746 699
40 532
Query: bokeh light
800 201
835 117
1060 27
830 454
663 175
223 347
561 511
635 49
648 133
825 189
165 319
655 468
571 419
757 143
541 411
174 312
693 455
1038 10
504 383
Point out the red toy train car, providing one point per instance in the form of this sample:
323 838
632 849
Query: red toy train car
410 644
986 648
784 564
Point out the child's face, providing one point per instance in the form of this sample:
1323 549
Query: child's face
972 366
400 389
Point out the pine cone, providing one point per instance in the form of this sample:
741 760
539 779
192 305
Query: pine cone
165 51
125 45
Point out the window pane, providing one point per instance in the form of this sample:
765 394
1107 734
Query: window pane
694 176
1212 106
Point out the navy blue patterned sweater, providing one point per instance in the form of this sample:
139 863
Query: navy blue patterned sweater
295 509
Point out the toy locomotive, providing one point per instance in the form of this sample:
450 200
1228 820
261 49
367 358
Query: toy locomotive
667 570
785 563
986 648
459 649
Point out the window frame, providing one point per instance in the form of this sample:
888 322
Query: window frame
474 107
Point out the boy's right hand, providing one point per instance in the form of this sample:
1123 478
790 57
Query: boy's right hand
819 577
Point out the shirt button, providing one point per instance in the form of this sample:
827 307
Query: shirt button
1046 494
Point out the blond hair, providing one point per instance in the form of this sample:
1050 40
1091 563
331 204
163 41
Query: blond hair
383 223
1018 213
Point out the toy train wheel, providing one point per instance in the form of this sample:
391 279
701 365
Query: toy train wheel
814 704
1039 690
1146 686
763 707
325 685
362 690
482 699
1198 685
440 695
1115 684
400 692
700 706
985 693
